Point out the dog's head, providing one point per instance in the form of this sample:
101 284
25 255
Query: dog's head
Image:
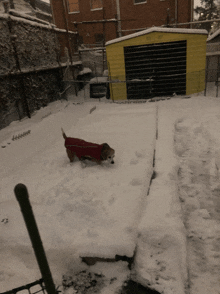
108 153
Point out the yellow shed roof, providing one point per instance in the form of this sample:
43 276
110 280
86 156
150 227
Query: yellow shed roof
157 29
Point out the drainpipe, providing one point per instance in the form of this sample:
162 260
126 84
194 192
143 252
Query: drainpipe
192 12
118 17
65 16
52 8
176 11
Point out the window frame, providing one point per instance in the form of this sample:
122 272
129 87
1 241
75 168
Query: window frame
72 12
94 9
143 2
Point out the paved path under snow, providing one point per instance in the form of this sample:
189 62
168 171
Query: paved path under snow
199 190
178 247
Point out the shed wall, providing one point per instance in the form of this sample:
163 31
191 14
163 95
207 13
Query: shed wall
196 58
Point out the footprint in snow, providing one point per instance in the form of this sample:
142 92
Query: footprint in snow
134 161
136 182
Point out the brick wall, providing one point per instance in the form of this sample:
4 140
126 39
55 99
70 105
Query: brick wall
134 16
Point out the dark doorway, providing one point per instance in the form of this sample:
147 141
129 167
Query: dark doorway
155 70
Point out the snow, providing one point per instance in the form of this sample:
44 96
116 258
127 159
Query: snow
31 21
197 3
85 70
168 221
157 29
162 241
99 80
214 35
35 19
215 53
20 5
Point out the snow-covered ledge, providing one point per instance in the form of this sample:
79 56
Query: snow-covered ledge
160 261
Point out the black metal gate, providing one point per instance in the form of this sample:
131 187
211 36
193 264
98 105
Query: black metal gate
155 69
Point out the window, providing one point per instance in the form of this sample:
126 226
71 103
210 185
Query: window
96 4
139 1
99 39
73 5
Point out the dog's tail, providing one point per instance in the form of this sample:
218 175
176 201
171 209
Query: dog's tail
64 135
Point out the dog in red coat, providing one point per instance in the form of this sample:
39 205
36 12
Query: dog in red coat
87 150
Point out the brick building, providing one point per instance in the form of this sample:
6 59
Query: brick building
98 21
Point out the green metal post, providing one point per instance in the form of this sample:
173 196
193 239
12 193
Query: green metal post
22 196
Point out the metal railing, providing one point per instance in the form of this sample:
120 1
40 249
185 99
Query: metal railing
29 288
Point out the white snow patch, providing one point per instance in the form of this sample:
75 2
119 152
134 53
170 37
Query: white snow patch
100 211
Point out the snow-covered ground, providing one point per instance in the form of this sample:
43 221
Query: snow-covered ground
159 202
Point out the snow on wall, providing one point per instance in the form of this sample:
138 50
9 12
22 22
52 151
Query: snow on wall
28 45
35 45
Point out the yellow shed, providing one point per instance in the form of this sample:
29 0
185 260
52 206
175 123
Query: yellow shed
157 62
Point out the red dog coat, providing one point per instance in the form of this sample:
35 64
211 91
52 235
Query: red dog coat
83 148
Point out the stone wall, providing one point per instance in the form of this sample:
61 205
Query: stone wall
35 44
31 71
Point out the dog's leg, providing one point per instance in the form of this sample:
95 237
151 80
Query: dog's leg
70 155
83 163
83 158
99 162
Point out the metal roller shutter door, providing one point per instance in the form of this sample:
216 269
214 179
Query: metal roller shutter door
155 69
